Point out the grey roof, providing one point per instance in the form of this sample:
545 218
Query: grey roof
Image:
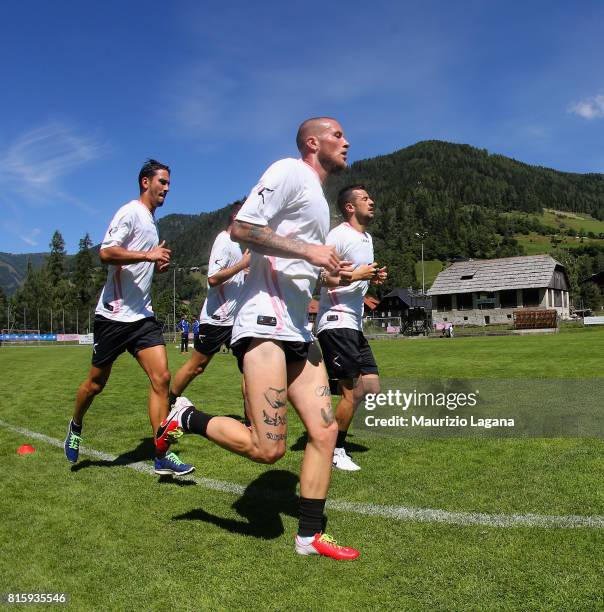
412 299
531 271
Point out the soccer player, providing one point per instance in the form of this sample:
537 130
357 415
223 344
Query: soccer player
226 274
347 354
124 318
285 221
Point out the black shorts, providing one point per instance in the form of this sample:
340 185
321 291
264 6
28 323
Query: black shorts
294 351
346 353
212 337
112 338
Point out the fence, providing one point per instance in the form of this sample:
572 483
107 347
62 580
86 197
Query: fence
58 321
382 325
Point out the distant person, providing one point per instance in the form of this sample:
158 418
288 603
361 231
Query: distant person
226 274
124 319
195 331
184 327
347 354
285 221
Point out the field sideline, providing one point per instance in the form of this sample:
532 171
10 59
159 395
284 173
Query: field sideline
117 538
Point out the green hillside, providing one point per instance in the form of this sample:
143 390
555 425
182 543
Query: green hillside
465 202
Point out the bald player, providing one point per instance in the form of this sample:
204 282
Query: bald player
284 222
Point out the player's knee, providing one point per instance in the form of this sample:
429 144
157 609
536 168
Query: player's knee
325 435
199 369
161 380
371 386
270 455
94 387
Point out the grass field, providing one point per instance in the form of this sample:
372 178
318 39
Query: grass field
119 539
580 222
536 244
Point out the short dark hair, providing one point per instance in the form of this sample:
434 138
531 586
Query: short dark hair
345 196
234 209
149 169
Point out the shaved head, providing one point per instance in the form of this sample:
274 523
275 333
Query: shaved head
312 127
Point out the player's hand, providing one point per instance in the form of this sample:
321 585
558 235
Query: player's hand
366 272
323 256
161 266
245 260
381 276
160 253
339 278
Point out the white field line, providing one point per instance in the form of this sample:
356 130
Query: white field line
401 513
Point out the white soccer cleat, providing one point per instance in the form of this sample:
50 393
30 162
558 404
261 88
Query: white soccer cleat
342 461
181 403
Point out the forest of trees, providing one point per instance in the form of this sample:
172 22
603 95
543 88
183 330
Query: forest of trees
464 202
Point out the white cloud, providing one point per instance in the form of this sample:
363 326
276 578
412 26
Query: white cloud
33 170
37 160
31 237
590 108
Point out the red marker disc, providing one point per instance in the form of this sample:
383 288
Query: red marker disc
26 449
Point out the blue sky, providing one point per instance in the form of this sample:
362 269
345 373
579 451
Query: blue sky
217 90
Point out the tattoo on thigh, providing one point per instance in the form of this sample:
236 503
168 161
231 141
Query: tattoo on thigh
322 391
276 420
275 437
327 415
276 398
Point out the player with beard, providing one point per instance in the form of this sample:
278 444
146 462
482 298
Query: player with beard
285 221
347 353
124 319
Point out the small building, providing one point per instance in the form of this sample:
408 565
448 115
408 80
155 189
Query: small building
486 291
412 307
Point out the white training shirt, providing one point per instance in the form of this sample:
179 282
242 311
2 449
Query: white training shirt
126 295
221 303
342 307
275 298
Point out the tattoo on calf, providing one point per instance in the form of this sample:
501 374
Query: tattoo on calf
275 398
276 420
275 437
327 415
322 391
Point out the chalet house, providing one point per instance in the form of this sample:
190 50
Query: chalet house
484 291
399 302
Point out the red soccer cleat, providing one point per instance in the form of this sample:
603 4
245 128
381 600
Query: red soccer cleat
325 545
170 429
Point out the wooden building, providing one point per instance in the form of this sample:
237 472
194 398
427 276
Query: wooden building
485 291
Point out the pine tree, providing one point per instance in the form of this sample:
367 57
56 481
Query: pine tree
84 273
56 260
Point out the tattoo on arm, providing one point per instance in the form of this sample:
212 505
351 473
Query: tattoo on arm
275 437
264 240
276 420
276 398
327 415
322 391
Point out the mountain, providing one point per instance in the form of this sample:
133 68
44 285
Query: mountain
464 201
14 267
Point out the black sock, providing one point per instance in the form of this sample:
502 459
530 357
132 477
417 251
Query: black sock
75 427
195 421
172 398
310 518
341 438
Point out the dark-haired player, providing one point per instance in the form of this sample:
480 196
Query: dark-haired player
124 319
347 354
226 275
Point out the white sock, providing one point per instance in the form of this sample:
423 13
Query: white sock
305 540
